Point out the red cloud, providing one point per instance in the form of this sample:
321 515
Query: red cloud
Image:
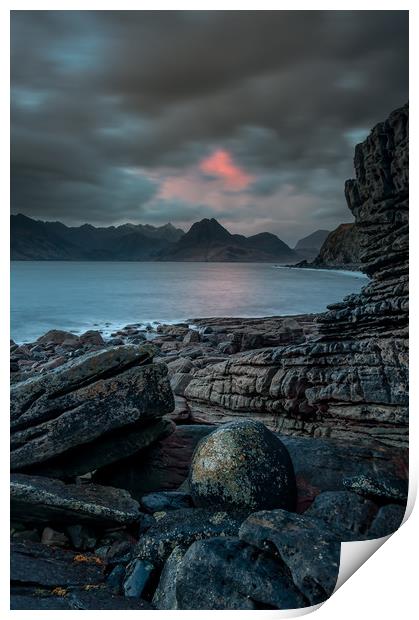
220 164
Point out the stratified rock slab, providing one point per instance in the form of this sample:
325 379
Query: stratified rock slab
37 499
84 399
33 563
75 599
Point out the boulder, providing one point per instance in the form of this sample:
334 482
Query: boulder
242 465
346 514
226 573
191 337
181 528
138 574
387 520
84 399
91 337
37 499
56 336
309 550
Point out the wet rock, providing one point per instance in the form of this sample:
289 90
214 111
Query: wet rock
180 364
226 573
165 594
138 574
311 553
182 528
39 499
54 538
50 566
388 519
166 500
346 514
84 399
382 489
242 465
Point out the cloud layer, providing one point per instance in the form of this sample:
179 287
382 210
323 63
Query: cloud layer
250 117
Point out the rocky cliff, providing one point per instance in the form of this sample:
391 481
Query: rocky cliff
351 379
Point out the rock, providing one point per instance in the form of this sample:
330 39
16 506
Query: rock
179 382
56 336
311 553
137 576
75 599
166 500
165 594
180 364
346 514
129 440
388 519
54 538
50 566
31 535
181 528
226 573
382 489
191 337
40 500
162 466
92 337
84 399
350 379
115 579
81 537
242 465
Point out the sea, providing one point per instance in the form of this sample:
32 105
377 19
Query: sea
77 296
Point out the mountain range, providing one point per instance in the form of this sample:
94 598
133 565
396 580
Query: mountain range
206 240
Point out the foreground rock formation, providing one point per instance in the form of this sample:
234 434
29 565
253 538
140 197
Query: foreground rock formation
124 497
352 379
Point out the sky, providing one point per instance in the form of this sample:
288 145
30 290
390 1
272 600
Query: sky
157 116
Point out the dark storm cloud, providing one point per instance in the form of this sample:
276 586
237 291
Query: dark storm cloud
105 103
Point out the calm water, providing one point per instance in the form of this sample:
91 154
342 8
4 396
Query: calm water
76 296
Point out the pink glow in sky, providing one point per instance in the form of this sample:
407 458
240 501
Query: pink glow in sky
220 164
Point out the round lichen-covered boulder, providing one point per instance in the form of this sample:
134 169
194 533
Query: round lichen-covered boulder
242 465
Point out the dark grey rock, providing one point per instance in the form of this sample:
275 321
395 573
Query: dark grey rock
138 574
50 566
38 499
81 537
165 594
179 382
242 465
346 514
162 466
309 550
388 519
226 573
384 488
115 579
181 528
84 399
75 599
166 500
108 449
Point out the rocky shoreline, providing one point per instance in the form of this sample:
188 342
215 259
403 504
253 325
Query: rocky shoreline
219 463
